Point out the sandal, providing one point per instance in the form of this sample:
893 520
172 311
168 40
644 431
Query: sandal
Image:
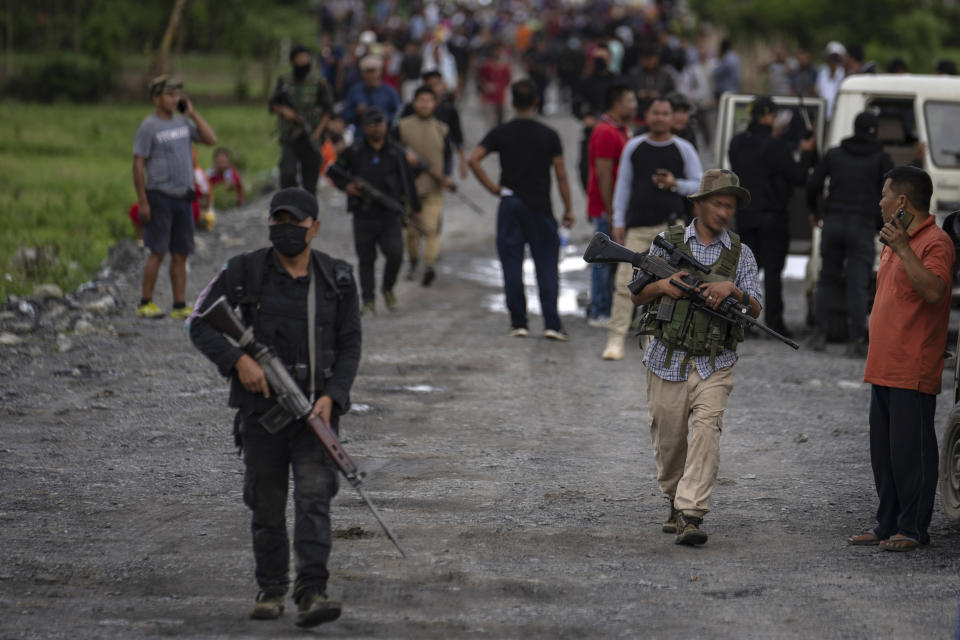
899 543
867 538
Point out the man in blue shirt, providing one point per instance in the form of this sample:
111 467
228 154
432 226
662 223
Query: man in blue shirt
371 92
691 356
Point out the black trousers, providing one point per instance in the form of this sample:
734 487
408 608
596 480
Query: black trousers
903 452
385 232
846 238
299 152
269 459
769 245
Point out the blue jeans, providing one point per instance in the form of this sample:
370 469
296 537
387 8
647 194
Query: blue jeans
518 225
601 278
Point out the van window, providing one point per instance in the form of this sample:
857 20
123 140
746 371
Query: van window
896 127
943 133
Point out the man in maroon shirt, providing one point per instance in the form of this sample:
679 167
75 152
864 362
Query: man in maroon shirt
603 155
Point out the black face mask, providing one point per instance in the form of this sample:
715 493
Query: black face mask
289 239
300 71
599 65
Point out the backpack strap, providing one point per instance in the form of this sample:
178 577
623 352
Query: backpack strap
244 276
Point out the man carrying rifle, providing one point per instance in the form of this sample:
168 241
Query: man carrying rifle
272 286
380 162
691 356
428 140
301 101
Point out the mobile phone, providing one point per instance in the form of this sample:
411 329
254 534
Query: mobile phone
903 219
182 105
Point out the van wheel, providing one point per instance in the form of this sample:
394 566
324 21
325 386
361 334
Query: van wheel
950 468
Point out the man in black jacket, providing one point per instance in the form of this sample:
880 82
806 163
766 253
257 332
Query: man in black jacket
382 163
851 216
271 287
766 167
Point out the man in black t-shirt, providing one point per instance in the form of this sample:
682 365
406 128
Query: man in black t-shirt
527 149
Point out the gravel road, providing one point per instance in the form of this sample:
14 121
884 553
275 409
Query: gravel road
518 473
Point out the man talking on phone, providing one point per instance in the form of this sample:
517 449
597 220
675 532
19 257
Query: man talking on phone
908 336
163 180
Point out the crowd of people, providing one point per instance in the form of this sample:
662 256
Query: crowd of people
375 110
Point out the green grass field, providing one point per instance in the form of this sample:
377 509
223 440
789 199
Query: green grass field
66 185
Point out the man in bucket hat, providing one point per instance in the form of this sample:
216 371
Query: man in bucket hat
691 356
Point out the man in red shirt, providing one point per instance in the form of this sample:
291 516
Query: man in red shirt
607 141
908 336
494 78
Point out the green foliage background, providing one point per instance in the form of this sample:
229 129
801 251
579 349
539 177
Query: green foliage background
921 31
66 185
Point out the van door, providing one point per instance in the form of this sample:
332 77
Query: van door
733 116
937 127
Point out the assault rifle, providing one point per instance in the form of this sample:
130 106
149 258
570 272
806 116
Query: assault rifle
421 164
292 404
370 192
604 250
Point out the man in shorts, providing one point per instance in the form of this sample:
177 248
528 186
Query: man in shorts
163 180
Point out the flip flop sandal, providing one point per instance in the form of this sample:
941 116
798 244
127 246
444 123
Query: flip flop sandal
899 543
867 538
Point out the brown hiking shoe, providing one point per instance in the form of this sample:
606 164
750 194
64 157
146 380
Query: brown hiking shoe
670 524
689 531
314 609
269 605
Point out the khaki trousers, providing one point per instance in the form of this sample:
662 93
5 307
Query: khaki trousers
430 216
638 239
686 471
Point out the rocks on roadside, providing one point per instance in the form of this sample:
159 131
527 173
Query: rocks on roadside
9 339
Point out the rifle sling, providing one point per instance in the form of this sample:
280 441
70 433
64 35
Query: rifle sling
312 331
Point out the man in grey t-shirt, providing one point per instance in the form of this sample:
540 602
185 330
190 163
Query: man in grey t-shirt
163 179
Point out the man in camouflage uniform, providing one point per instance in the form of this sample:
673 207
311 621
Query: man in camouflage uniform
301 98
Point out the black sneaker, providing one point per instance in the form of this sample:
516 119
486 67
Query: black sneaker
429 275
856 349
670 524
689 531
269 605
314 609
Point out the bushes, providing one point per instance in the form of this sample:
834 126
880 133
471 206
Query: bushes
72 77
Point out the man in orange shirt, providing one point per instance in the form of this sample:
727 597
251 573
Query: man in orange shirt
908 336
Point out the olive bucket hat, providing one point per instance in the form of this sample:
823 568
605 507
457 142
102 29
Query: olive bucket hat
722 182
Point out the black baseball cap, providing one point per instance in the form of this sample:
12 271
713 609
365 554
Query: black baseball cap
373 115
298 202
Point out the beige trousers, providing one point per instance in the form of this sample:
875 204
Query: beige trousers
686 470
430 220
638 239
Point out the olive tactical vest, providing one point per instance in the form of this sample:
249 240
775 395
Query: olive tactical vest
311 98
693 331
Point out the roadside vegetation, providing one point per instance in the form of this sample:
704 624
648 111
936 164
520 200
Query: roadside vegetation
66 186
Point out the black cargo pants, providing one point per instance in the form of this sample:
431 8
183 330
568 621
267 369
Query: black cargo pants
268 459
299 152
386 232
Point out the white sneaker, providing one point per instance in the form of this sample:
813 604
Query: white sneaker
614 350
553 334
518 332
600 322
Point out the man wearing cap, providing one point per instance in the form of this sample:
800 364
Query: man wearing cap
163 180
690 357
301 98
856 170
381 162
272 286
767 168
370 92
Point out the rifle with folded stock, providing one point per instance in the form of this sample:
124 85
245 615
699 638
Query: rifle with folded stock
604 250
292 404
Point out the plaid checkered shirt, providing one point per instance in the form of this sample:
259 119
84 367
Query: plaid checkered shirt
746 280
